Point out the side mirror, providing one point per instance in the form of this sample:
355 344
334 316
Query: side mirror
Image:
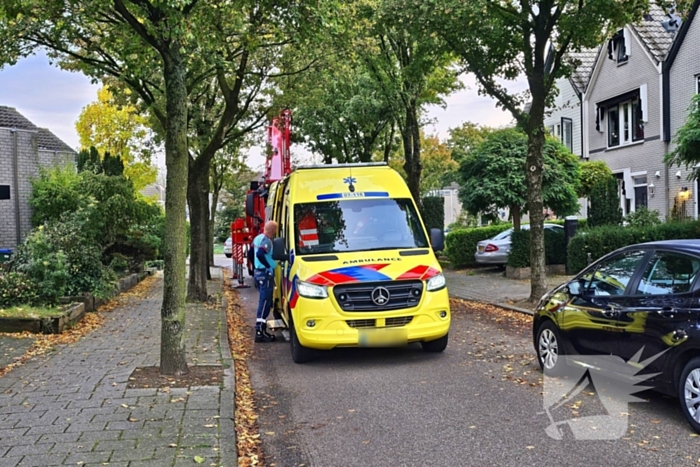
279 249
576 287
437 239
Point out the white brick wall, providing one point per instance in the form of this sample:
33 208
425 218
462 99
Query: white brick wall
682 79
567 105
613 80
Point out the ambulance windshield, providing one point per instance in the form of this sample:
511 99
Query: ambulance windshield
357 225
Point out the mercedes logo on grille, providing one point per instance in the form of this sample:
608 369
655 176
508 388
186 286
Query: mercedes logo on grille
380 296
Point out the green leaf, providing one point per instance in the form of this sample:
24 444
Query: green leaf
199 459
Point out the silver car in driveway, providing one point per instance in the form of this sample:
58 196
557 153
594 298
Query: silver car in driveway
495 250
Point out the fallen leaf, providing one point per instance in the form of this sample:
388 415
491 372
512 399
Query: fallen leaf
199 459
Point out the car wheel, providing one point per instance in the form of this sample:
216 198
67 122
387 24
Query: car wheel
438 345
300 354
228 255
550 353
689 393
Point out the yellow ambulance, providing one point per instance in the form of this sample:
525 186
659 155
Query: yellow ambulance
357 267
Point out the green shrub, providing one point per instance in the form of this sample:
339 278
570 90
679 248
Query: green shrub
464 221
45 265
433 212
605 204
643 217
554 248
113 217
16 289
461 244
602 240
57 190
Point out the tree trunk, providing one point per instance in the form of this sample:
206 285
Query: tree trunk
198 199
411 146
534 166
173 358
388 143
515 214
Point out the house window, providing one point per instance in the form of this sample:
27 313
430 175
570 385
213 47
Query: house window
567 133
555 130
617 47
697 84
625 123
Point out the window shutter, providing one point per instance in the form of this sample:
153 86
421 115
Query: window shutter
628 42
643 102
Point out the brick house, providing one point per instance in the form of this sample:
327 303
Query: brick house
681 76
24 148
623 112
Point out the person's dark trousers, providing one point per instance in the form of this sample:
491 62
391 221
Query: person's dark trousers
265 284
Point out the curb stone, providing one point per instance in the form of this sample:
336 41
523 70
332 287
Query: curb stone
227 441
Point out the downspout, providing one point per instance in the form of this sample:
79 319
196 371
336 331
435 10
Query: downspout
15 155
666 125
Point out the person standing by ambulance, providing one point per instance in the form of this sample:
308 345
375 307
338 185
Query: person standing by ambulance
264 279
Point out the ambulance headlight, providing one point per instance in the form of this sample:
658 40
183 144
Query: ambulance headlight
436 283
308 290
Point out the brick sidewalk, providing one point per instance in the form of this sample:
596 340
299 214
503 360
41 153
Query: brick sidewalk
72 407
489 285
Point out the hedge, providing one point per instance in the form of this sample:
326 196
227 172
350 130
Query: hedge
461 244
600 241
554 248
433 212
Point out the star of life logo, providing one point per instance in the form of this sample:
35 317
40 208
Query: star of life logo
614 381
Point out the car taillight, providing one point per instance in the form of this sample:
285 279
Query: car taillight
490 247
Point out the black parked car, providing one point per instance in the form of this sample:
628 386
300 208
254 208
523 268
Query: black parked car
643 296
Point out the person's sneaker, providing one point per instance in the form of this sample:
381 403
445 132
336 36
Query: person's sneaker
260 336
270 337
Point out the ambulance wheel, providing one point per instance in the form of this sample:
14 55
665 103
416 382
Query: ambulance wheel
438 345
300 354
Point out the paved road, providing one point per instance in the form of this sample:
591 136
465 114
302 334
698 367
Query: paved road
479 403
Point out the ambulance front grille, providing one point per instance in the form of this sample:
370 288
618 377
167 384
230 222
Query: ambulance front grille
358 296
361 323
371 323
398 322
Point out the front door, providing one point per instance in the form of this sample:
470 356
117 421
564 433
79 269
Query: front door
590 320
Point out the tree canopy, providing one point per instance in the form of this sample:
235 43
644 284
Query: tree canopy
592 172
493 176
499 41
687 141
118 130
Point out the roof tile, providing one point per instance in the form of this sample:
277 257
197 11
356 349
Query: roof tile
10 118
649 29
50 142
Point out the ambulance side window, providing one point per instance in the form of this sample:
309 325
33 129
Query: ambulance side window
284 218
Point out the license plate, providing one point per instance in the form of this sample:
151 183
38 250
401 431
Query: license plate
480 248
382 337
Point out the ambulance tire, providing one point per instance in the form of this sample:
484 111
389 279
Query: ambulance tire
438 345
300 354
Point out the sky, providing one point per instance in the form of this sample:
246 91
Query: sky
53 98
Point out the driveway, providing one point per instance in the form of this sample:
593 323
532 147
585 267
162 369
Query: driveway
489 285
